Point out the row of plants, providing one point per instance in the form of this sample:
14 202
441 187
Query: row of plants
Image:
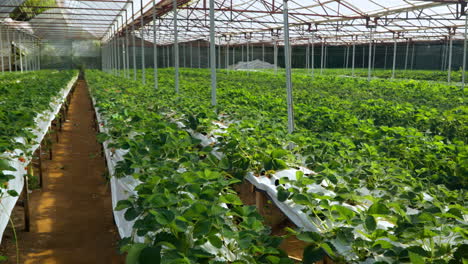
23 97
186 208
393 158
423 75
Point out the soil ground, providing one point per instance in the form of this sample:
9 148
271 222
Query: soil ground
71 217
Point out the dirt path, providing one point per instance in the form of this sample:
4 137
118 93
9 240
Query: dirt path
71 217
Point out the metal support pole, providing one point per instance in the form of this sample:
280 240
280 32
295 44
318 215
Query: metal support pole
363 56
1 49
406 56
449 75
307 57
385 58
412 57
199 55
326 57
9 48
191 55
394 58
227 56
464 53
134 44
369 70
322 57
344 57
176 47
287 58
143 66
312 59
242 52
39 57
20 51
127 66
347 56
263 51
373 59
442 59
184 49
353 59
212 53
275 51
117 47
155 48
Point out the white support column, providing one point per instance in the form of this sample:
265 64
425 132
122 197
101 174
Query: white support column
275 51
287 59
227 57
212 53
464 53
322 57
385 58
9 48
449 72
369 69
199 55
127 55
412 56
353 59
374 52
134 44
406 56
117 46
263 51
1 49
312 59
155 49
442 59
142 28
394 58
176 47
20 50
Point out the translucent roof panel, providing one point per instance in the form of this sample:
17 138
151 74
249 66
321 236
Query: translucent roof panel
243 21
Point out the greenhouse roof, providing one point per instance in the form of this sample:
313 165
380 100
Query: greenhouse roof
242 21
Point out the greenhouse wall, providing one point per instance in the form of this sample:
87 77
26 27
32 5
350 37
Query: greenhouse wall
70 54
427 56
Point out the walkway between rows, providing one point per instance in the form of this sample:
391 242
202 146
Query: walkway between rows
71 218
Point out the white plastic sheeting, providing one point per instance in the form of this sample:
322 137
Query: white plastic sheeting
43 122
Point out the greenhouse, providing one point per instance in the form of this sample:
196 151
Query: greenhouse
233 131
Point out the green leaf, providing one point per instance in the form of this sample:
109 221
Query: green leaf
278 153
418 250
378 208
230 199
163 216
123 204
150 255
273 259
370 223
416 259
215 241
312 254
13 193
310 237
131 214
134 253
461 252
202 228
102 137
283 194
344 212
5 166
